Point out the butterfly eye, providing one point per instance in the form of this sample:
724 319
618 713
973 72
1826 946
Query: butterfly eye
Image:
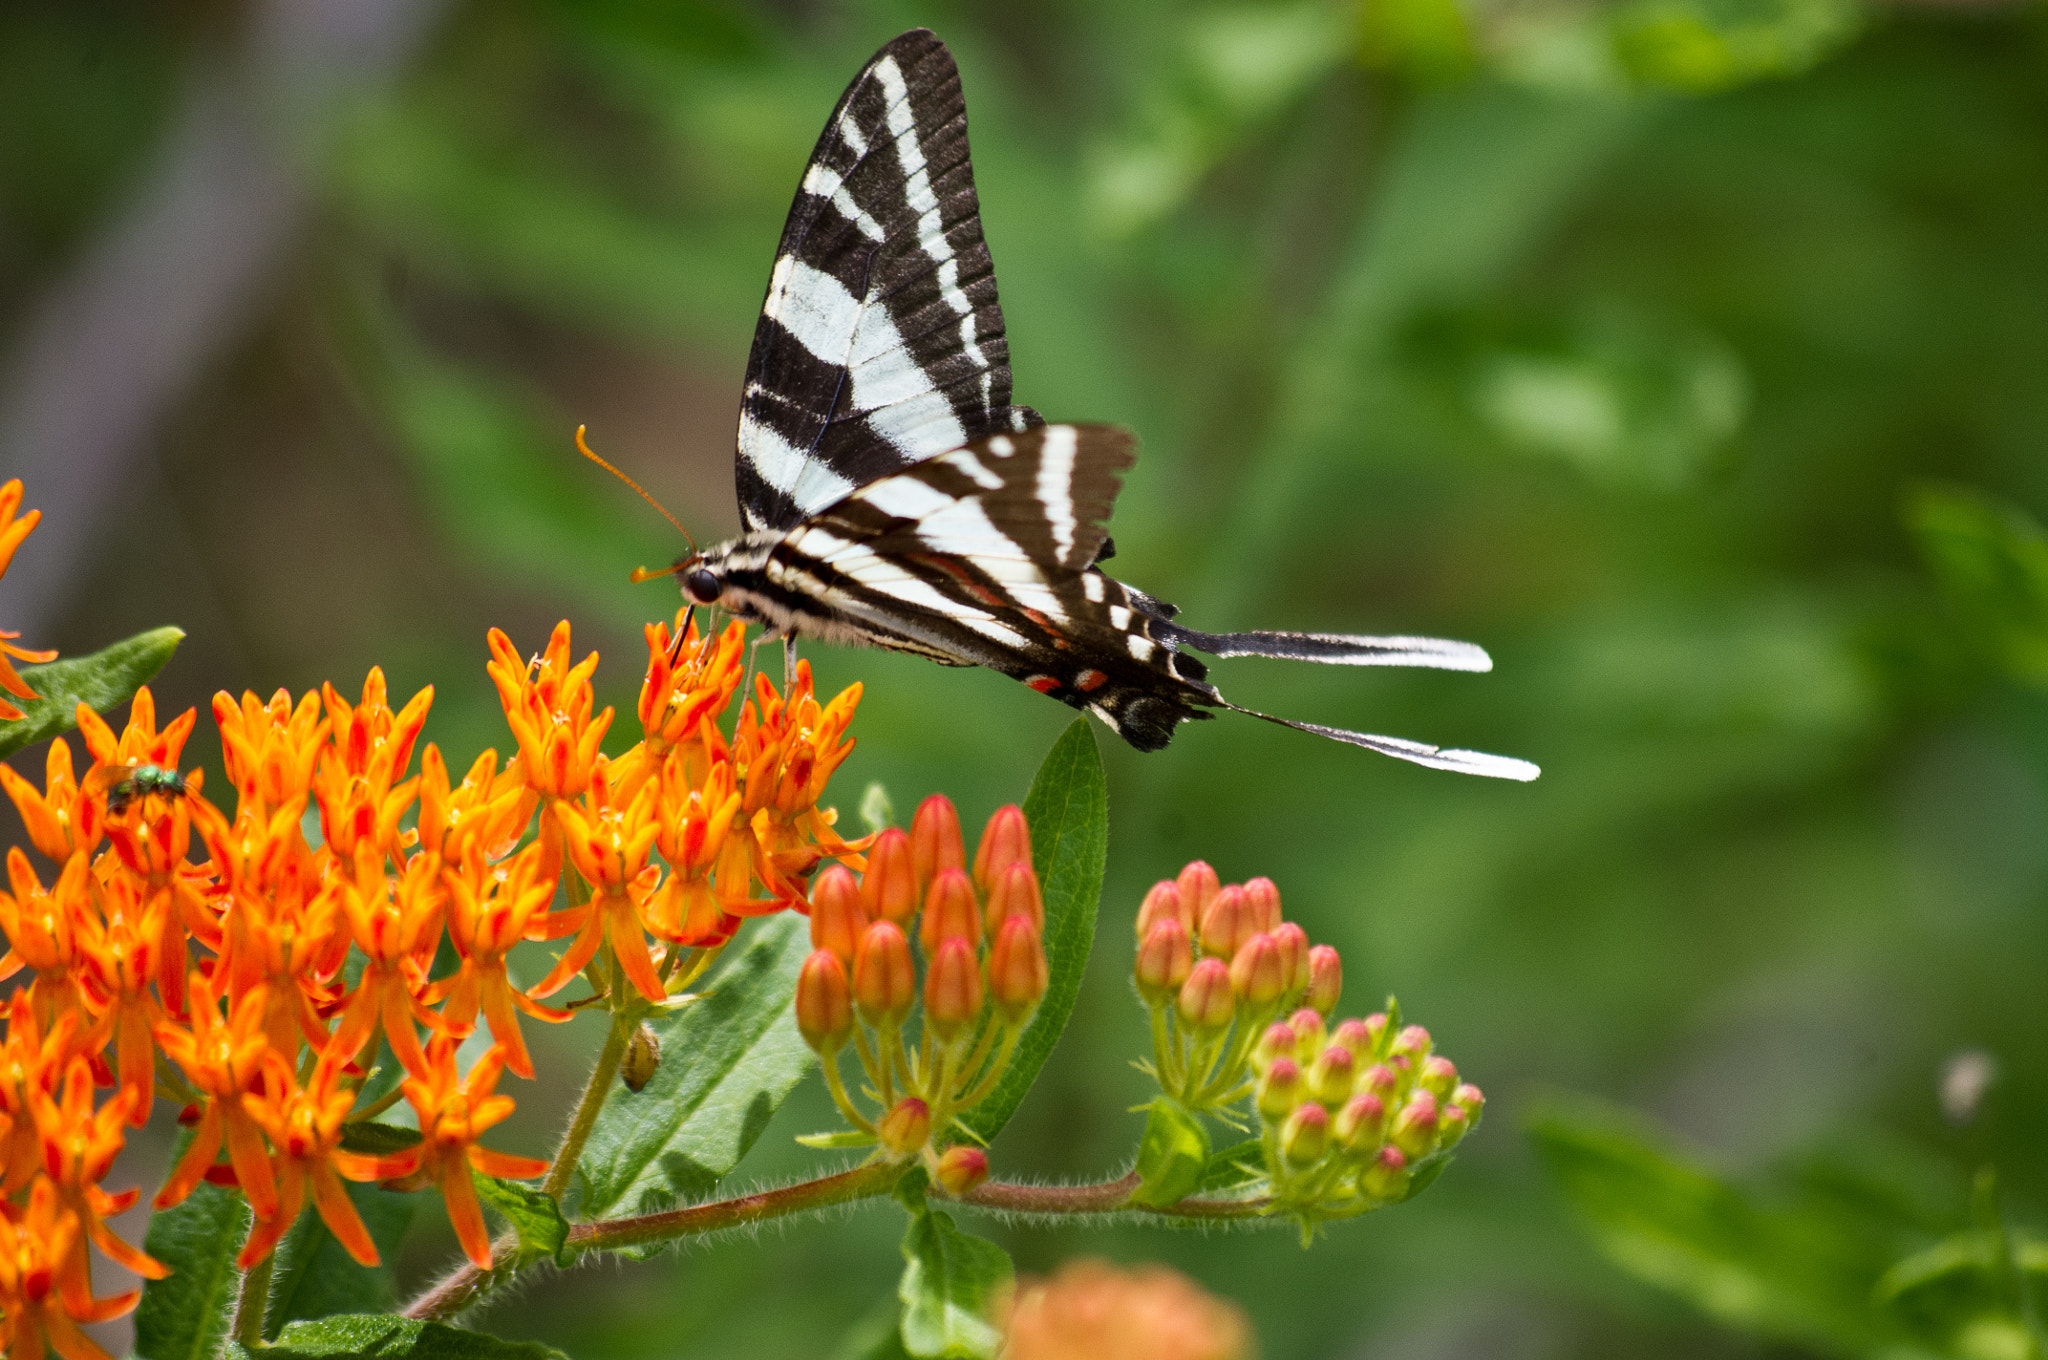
703 587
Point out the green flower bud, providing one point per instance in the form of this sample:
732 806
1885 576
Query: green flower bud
1305 1134
1330 1075
1414 1128
1362 1123
905 1129
1386 1175
1438 1076
1277 1042
1279 1090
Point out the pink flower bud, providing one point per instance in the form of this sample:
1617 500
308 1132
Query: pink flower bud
1006 841
960 1169
1438 1076
1381 1080
1164 961
884 980
905 1129
1017 971
1376 1026
1015 893
1414 1129
950 912
1163 899
1258 975
952 989
888 891
1264 896
1355 1036
1276 1043
1305 1134
836 916
1411 1043
935 842
1308 1031
1279 1090
1469 1099
1452 1124
1329 1076
1386 1175
1362 1122
1293 942
1325 978
1205 1000
1227 924
1198 886
824 1003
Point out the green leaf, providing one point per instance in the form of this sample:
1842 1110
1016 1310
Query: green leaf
391 1338
102 681
534 1216
1172 1155
315 1276
950 1289
1068 809
1804 1278
728 1062
185 1315
1991 560
1235 1167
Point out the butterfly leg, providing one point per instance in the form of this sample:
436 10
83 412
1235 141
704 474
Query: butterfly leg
789 663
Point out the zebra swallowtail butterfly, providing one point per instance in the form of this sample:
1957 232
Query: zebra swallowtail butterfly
892 495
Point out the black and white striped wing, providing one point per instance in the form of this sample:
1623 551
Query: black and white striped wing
985 555
881 342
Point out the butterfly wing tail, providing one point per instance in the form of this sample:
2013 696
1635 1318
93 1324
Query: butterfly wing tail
1335 649
1417 752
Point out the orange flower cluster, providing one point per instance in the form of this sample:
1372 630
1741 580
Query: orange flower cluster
252 969
1149 1312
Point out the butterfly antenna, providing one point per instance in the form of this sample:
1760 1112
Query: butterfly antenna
640 573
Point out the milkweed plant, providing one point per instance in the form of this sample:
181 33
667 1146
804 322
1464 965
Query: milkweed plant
310 971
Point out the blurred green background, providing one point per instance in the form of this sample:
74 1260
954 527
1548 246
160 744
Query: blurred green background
1631 340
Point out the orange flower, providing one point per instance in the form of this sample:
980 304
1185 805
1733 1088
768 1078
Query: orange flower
271 750
452 1116
695 824
79 1146
30 1064
12 532
398 932
487 808
43 1304
688 680
1091 1308
61 821
610 846
139 743
786 752
305 1129
491 908
43 929
120 963
282 922
547 705
357 780
222 1060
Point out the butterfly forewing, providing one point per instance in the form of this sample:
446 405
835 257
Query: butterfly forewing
881 341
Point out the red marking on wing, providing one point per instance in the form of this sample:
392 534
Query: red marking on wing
1090 680
954 568
1044 684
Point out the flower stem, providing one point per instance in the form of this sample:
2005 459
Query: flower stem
594 1092
253 1302
868 1181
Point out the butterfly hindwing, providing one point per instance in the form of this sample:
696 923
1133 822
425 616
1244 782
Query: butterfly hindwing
881 341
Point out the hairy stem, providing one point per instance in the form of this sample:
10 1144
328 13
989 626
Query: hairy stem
253 1302
599 1086
869 1181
